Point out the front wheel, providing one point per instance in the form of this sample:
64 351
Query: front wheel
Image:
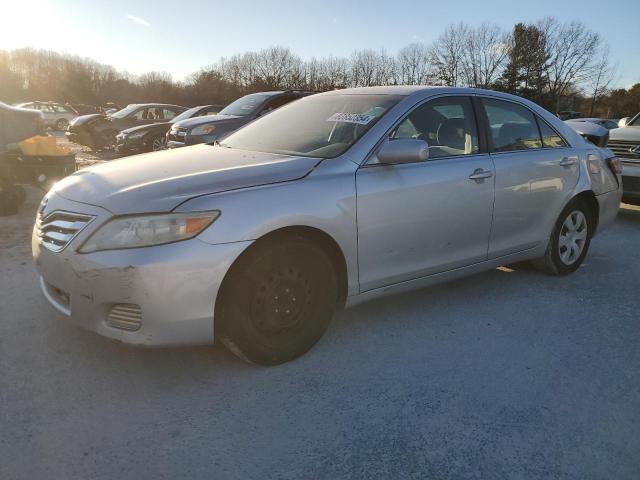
569 242
158 143
277 302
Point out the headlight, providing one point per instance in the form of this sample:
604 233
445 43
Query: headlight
147 230
203 130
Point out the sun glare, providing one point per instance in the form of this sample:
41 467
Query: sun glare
27 23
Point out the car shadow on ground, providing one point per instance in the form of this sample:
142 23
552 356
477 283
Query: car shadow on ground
629 213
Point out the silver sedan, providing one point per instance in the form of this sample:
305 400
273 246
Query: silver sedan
330 201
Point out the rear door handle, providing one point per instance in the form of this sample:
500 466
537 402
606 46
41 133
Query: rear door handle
568 161
479 174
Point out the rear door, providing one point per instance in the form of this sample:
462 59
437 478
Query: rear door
431 216
536 171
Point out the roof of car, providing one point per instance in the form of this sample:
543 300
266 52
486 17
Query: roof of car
406 90
155 105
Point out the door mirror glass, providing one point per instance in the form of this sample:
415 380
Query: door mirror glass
623 122
403 150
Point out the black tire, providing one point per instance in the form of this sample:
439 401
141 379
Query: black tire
277 302
62 124
157 143
552 262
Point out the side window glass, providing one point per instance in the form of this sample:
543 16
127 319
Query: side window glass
447 124
144 114
276 103
512 126
550 139
168 114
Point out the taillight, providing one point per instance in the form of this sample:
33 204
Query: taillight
615 165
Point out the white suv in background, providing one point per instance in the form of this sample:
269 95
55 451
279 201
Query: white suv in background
56 115
625 143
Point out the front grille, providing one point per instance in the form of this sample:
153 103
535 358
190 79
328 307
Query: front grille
57 229
125 316
623 149
631 184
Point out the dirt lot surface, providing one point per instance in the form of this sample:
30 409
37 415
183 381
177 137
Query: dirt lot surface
503 375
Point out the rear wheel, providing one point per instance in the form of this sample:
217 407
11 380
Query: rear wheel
569 241
277 302
62 124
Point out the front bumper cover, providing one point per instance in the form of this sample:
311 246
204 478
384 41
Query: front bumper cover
175 285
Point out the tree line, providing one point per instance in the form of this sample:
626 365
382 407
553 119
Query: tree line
560 65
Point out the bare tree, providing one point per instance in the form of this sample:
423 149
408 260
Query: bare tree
414 65
571 48
447 54
485 51
363 67
602 76
328 73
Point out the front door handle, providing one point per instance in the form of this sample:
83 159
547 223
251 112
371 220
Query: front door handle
568 161
480 174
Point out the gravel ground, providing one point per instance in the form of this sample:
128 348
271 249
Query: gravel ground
506 374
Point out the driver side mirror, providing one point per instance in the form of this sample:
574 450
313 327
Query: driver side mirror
623 122
403 150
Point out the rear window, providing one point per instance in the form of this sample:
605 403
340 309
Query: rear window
512 126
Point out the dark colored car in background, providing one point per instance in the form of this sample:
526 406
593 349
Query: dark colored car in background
99 131
153 137
233 116
83 108
569 115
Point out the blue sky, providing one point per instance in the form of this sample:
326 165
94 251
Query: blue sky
181 36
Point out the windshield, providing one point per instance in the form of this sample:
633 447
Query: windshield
245 106
124 112
320 126
186 114
635 121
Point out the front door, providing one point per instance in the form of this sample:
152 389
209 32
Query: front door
427 217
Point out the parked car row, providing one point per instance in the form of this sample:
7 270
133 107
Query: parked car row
229 119
150 127
153 137
99 131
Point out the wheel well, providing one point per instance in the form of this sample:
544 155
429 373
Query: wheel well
589 198
320 238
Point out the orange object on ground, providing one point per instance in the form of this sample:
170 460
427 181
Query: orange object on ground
43 146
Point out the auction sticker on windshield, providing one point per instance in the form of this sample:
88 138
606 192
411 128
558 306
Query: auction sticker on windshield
359 118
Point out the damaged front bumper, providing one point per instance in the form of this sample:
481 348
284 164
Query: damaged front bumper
156 296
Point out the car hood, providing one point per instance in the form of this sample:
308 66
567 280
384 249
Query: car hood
84 119
193 122
160 181
147 128
625 134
